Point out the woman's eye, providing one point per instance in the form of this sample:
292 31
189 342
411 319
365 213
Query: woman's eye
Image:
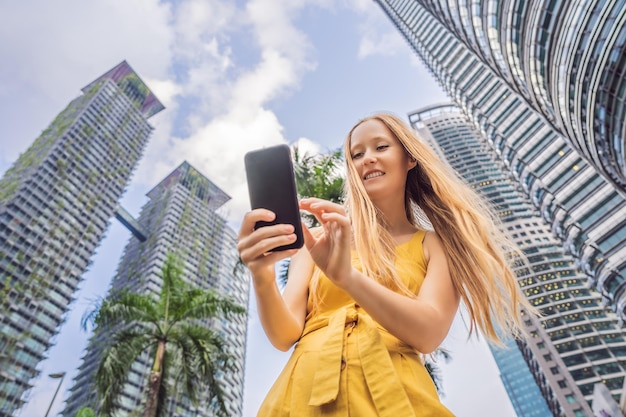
382 147
357 155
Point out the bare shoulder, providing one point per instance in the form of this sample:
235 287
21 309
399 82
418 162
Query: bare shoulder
432 245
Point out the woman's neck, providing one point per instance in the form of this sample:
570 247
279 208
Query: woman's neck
397 223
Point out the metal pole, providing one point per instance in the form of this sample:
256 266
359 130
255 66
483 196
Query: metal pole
55 376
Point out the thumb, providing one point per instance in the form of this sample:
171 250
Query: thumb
309 239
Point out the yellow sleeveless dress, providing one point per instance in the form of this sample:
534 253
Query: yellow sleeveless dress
345 364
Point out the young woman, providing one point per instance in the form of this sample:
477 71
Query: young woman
377 286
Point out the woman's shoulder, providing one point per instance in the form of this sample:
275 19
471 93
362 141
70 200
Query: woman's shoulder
431 242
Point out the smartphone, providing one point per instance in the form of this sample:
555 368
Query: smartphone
272 186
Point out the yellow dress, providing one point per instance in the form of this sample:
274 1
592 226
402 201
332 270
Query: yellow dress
345 364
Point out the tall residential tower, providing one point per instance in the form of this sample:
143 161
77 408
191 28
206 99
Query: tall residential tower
180 217
55 204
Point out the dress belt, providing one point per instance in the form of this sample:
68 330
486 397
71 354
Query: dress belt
388 394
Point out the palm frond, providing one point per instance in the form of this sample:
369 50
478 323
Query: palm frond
319 176
204 304
203 354
239 267
126 345
123 307
172 272
283 272
433 368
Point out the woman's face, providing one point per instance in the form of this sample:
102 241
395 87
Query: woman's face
380 159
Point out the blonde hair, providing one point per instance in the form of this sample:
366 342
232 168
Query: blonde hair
480 257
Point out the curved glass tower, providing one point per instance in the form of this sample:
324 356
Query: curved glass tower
566 59
577 343
465 46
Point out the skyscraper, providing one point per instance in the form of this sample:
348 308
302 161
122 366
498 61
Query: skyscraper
576 343
180 217
55 205
518 382
513 68
566 59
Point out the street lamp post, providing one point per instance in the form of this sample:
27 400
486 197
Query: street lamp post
59 375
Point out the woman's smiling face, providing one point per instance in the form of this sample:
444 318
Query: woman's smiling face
379 158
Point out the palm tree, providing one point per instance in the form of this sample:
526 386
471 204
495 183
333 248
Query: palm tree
168 327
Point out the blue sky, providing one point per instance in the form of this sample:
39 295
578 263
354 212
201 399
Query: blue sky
233 76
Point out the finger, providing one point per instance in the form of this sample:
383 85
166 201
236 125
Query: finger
261 233
309 239
264 239
274 257
252 217
339 219
259 249
316 205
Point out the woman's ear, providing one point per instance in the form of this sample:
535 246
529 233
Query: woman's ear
412 162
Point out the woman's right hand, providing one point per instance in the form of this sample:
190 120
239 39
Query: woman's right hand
254 245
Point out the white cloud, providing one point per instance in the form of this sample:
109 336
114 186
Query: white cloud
230 114
198 19
165 89
388 43
52 49
378 35
307 146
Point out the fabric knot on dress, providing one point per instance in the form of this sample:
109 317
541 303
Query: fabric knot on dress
384 385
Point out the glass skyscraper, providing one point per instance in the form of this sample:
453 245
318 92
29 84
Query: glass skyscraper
518 382
180 217
509 65
55 204
566 59
576 343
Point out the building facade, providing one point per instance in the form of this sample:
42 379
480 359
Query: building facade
576 343
55 204
180 217
585 210
518 382
566 59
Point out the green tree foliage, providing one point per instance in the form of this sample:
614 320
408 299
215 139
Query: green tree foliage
186 354
86 412
319 176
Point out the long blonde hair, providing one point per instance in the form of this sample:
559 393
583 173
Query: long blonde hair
480 257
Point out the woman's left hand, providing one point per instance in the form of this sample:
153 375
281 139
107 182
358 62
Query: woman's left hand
331 249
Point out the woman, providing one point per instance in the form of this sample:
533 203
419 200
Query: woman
376 287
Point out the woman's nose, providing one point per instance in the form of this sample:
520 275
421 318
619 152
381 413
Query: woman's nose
370 158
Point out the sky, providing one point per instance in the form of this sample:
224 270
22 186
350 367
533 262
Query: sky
233 76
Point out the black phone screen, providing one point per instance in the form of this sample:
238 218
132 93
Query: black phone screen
272 185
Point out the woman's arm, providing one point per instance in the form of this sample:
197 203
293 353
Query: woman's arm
282 316
423 321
